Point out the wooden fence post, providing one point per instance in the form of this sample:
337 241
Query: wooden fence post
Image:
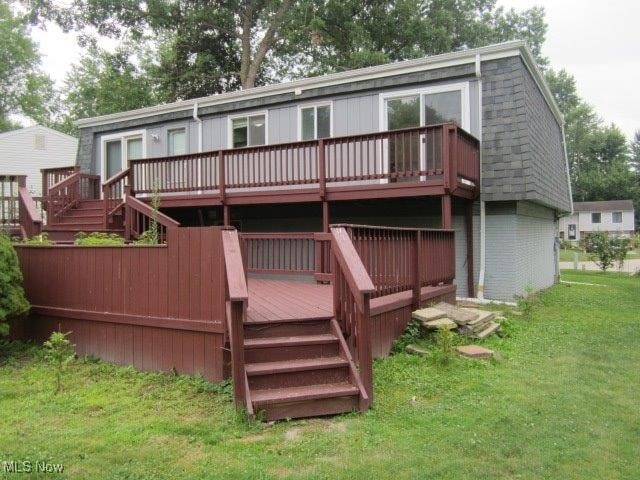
417 269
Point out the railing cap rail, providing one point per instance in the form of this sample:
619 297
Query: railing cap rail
350 261
145 209
234 267
382 227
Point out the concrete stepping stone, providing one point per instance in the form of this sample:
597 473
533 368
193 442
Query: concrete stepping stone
491 328
415 350
475 351
459 315
428 314
440 323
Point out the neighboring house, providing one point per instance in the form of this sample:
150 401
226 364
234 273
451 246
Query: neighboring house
613 216
505 222
28 150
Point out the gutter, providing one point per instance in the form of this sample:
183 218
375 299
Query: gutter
483 232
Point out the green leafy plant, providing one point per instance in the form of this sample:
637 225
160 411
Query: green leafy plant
42 239
59 353
606 250
13 303
526 302
152 235
444 346
97 239
412 333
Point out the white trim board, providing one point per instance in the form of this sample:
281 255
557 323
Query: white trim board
122 136
231 118
299 109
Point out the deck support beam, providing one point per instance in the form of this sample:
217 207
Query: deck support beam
325 216
446 212
226 221
469 232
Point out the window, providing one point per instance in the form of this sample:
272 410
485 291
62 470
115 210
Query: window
443 107
177 142
596 217
315 122
118 149
248 131
616 217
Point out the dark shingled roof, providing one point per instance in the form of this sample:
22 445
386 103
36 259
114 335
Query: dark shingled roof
603 206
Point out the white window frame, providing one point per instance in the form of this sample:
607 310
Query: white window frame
465 112
231 118
186 140
123 137
613 217
315 117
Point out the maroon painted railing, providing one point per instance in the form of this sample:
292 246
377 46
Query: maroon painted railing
237 297
9 191
139 218
51 176
401 259
113 194
352 290
412 154
67 193
30 218
297 253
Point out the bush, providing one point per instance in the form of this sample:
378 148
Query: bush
13 303
606 250
42 239
98 239
445 343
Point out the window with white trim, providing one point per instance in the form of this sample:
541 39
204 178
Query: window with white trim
616 217
118 149
249 130
315 122
177 141
596 217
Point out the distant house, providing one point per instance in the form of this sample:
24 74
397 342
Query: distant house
27 150
613 216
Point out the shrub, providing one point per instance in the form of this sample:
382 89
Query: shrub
97 239
527 301
152 235
13 302
59 352
42 239
412 333
606 250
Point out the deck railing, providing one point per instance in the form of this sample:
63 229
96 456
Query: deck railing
30 218
413 154
295 253
352 290
51 176
236 311
68 192
401 259
9 207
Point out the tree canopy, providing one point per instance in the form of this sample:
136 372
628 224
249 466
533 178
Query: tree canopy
24 88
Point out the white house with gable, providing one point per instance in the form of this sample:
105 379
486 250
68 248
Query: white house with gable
613 216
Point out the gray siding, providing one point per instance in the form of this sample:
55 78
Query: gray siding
523 157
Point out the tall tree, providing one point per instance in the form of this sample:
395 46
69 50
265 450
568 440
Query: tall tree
212 46
24 88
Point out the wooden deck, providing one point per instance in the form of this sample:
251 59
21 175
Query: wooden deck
279 299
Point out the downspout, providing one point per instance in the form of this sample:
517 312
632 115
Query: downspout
197 119
557 243
480 289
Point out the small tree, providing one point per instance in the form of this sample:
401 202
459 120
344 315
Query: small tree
606 250
13 302
60 352
152 235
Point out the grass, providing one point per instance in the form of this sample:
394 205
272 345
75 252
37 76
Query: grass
567 255
562 402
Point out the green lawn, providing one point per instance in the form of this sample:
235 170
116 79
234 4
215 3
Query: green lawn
563 402
568 255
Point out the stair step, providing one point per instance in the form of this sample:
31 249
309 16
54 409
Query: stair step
297 365
286 328
298 394
289 341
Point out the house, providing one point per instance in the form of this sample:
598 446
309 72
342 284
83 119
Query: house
28 150
614 216
495 93
392 187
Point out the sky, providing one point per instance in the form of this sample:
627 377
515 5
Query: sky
598 42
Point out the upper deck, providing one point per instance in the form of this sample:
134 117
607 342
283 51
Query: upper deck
430 160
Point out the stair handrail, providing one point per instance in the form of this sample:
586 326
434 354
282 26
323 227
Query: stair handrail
132 224
237 297
352 290
63 195
30 218
113 190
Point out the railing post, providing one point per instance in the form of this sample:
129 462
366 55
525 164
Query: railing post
452 138
128 214
365 357
237 351
131 181
322 177
446 212
221 175
105 207
417 269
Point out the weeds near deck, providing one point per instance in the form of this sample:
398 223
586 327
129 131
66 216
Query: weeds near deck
59 353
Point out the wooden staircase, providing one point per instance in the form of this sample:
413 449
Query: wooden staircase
85 216
300 368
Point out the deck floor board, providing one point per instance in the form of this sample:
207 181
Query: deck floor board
275 299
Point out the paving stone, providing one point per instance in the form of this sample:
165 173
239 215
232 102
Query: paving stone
474 351
491 328
428 314
459 315
440 323
414 350
484 316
